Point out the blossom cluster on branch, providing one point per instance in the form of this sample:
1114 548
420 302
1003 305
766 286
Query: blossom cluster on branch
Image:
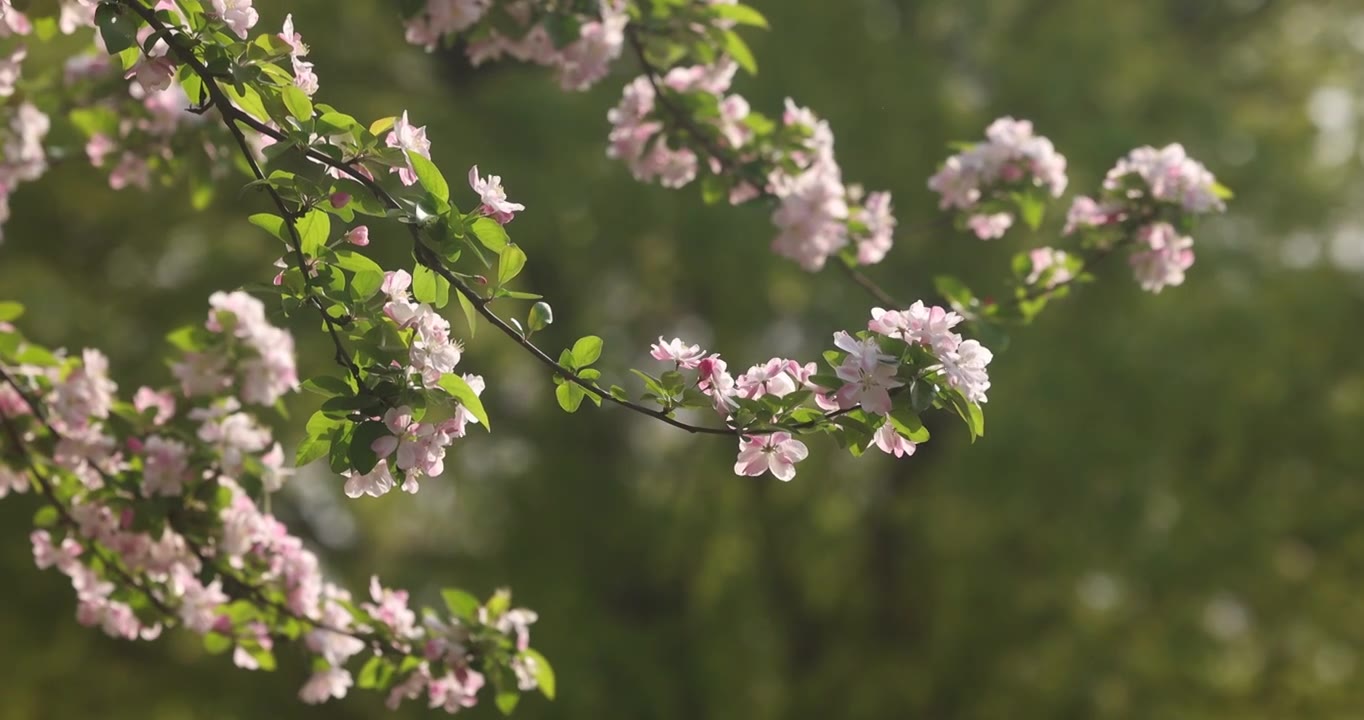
153 510
154 506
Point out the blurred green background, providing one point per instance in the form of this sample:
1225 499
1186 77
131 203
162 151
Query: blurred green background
1163 522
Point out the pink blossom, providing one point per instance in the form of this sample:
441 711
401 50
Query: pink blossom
238 15
154 74
375 483
989 227
164 402
456 690
964 367
1166 256
686 357
892 442
770 378
358 236
325 685
10 68
777 453
494 198
1085 213
408 138
165 466
869 374
1051 264
1169 175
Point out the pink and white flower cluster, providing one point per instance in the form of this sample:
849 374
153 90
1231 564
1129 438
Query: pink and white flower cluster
265 354
22 156
305 78
870 377
433 353
580 63
817 215
1012 158
1158 191
219 572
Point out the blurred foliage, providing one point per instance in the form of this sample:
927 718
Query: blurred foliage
1161 522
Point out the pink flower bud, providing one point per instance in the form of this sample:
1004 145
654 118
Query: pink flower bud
340 199
358 236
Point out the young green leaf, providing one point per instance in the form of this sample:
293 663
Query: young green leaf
586 351
461 391
509 263
429 176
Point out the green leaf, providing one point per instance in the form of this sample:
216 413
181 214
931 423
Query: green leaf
428 287
249 100
369 673
1031 207
506 701
46 517
119 30
509 263
328 386
318 442
586 351
272 224
544 672
461 604
382 125
470 313
740 14
10 311
217 643
366 284
429 176
355 262
736 48
570 396
298 103
461 391
490 233
1222 191
908 424
314 229
540 317
362 456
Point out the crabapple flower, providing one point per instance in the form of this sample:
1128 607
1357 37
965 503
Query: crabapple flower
495 204
358 236
1012 157
892 442
989 227
777 453
687 357
1169 175
164 403
325 685
869 374
238 15
10 69
770 378
964 367
375 483
1164 258
1051 264
408 138
305 78
165 466
1087 213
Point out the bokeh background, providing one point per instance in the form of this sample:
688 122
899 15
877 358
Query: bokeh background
1166 518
